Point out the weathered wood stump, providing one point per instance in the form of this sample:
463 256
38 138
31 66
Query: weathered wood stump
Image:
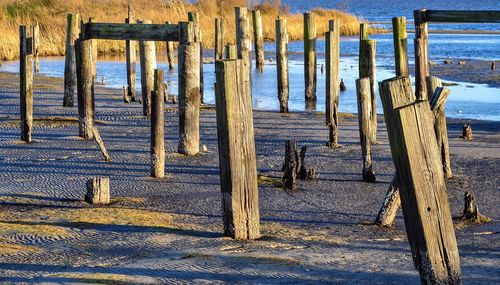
98 191
471 213
291 166
466 132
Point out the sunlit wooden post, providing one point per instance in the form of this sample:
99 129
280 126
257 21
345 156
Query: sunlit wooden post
197 34
157 126
400 38
26 81
282 63
258 39
421 43
219 39
244 44
131 57
147 51
85 87
332 42
310 73
72 31
36 46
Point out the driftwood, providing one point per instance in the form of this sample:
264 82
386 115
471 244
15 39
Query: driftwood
98 191
295 166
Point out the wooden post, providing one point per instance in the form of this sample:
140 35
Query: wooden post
26 81
36 46
310 56
85 86
244 44
391 204
157 127
195 18
170 53
466 132
367 68
237 160
258 39
421 44
438 97
98 191
282 63
72 32
364 113
94 53
400 46
189 92
219 39
426 209
131 57
147 52
231 52
291 165
332 42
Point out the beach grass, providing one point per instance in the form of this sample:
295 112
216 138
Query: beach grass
51 15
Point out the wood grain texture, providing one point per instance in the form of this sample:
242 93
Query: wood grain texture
133 32
258 40
282 63
98 191
85 87
157 149
310 60
364 114
332 58
147 52
26 82
72 31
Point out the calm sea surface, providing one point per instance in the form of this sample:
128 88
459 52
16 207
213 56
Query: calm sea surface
466 101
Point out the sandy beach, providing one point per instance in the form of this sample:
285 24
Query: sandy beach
474 71
170 230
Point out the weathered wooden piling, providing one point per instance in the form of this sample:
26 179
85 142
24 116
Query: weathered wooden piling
291 165
466 132
365 134
400 39
421 43
237 159
170 53
131 58
244 44
26 81
310 73
219 39
282 63
189 91
258 40
95 52
85 87
147 51
72 31
332 42
157 126
390 206
98 191
36 46
415 155
367 68
231 52
195 18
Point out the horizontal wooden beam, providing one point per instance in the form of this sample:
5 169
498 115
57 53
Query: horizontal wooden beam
133 32
457 16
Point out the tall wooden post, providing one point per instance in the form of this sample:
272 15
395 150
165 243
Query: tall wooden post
421 43
364 117
85 86
157 127
147 52
219 39
26 81
282 63
170 53
36 46
72 31
189 91
400 38
310 73
258 40
367 68
332 42
426 209
231 52
195 18
237 161
131 57
244 44
95 53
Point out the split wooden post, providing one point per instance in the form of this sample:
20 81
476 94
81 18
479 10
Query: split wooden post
258 39
332 42
26 81
157 126
231 52
438 97
310 73
170 53
364 114
36 46
219 39
237 159
427 213
85 87
189 91
195 18
244 45
98 191
131 58
400 39
94 53
72 31
147 51
291 165
421 43
282 63
367 68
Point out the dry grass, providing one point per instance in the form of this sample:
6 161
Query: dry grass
51 14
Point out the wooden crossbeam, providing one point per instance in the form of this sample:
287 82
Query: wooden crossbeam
459 16
133 32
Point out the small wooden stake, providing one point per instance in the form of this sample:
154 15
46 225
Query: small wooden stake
332 43
147 53
70 60
364 112
258 39
26 81
131 58
98 191
237 160
310 73
170 53
219 39
157 127
85 86
244 45
282 63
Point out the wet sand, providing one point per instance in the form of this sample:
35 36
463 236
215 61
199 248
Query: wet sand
473 71
170 230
